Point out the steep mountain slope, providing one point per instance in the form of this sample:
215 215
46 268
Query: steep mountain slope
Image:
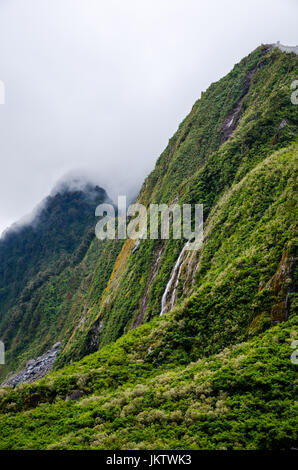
237 123
43 270
215 370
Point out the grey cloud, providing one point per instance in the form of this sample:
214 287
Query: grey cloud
99 86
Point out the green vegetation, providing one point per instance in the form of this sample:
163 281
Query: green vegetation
45 273
215 371
241 398
197 167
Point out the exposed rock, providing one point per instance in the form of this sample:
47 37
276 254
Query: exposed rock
93 336
75 395
83 316
139 318
231 121
283 123
35 368
282 286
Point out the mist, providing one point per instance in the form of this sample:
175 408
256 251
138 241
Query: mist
96 88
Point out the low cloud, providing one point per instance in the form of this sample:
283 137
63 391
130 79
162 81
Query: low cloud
100 86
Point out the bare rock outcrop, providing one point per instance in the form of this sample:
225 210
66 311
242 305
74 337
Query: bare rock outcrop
35 368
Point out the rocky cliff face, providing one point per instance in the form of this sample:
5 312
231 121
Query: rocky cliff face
35 368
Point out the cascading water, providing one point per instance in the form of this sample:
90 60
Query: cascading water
173 296
176 270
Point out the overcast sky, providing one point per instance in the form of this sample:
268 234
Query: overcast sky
101 85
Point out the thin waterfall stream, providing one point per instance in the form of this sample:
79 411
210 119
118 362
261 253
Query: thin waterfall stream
171 280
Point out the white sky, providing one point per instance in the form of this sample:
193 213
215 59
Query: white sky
101 85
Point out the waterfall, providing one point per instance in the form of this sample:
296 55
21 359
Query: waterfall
173 297
176 269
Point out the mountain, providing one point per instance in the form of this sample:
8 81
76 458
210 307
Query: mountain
214 370
207 162
41 267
